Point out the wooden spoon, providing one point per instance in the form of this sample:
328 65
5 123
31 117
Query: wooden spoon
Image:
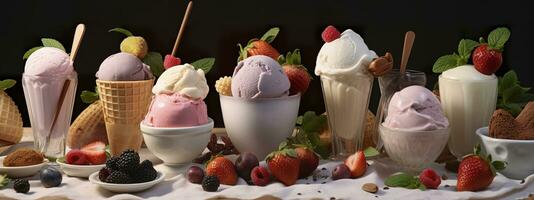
409 38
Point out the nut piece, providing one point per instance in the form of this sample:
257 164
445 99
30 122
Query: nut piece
381 65
370 187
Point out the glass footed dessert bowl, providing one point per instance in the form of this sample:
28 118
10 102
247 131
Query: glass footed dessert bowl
259 125
177 145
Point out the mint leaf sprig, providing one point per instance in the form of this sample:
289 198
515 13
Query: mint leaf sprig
465 47
309 126
6 84
152 58
205 64
511 95
405 181
89 96
3 181
497 38
47 42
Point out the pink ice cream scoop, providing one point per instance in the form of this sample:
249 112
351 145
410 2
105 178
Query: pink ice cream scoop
415 108
259 77
175 110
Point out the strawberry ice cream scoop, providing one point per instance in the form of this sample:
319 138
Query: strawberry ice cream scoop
259 77
415 108
175 110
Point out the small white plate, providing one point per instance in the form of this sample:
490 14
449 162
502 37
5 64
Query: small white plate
22 171
126 188
82 171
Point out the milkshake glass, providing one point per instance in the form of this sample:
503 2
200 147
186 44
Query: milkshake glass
42 95
346 106
468 99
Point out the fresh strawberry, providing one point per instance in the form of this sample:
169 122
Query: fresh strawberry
284 166
260 176
261 46
330 34
487 57
430 178
476 171
95 152
76 157
222 168
298 74
171 61
486 60
308 161
357 164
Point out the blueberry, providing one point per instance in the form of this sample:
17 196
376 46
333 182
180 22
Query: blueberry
50 177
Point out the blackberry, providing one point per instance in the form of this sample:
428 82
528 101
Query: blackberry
118 177
104 173
146 164
128 161
210 183
145 175
112 163
21 186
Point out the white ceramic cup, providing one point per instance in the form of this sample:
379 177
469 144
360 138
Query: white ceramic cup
259 125
177 146
413 149
517 153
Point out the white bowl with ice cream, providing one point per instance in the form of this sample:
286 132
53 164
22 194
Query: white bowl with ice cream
177 128
259 115
415 130
516 153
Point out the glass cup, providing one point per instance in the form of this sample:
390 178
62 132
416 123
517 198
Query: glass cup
42 99
469 105
347 100
390 83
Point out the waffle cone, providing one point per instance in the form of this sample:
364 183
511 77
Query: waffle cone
88 127
124 104
10 121
367 137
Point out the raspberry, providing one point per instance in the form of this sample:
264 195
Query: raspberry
224 86
260 176
330 33
430 178
171 61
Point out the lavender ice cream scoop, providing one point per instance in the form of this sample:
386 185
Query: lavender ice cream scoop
415 108
259 77
123 67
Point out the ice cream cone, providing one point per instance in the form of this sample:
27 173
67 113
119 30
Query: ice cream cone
88 127
124 105
10 121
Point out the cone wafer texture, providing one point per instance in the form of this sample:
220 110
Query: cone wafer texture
10 121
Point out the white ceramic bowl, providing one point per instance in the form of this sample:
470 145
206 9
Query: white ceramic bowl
414 149
259 125
519 154
82 171
177 146
126 188
23 171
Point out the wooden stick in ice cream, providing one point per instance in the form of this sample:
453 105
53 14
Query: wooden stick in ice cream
78 36
170 59
409 38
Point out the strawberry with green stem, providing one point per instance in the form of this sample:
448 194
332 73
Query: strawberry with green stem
296 72
476 171
487 57
260 46
284 165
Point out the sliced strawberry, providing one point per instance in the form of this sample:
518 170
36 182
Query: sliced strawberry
171 61
357 164
95 152
76 157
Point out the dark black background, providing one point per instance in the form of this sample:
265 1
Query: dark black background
216 26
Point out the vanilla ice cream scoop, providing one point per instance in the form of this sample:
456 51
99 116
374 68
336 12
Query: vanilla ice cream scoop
182 79
123 67
48 61
415 108
344 56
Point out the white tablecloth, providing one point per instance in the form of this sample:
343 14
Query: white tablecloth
176 186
